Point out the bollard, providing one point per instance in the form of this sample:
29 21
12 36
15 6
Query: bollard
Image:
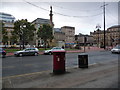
83 60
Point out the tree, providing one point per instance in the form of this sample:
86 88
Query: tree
3 33
45 33
23 32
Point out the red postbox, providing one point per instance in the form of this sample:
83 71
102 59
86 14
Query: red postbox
59 62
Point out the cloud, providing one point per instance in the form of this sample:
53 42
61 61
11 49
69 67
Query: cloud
23 10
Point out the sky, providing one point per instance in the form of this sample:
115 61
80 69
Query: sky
84 16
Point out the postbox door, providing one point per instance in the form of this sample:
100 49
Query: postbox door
59 61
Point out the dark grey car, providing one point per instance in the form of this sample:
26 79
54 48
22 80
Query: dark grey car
2 53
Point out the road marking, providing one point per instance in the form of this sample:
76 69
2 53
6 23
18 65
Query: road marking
14 76
8 67
28 64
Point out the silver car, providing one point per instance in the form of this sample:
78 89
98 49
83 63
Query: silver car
27 51
53 49
116 49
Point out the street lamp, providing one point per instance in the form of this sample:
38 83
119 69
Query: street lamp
98 31
22 35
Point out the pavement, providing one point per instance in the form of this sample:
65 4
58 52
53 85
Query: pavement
87 49
101 75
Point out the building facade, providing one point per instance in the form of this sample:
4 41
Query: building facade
59 37
98 36
69 35
84 39
37 23
8 21
9 27
7 17
112 36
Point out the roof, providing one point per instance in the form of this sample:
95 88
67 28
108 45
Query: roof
115 26
6 17
2 13
58 30
68 27
41 21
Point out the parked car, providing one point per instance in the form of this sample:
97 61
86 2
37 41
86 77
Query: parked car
27 51
2 53
53 49
116 49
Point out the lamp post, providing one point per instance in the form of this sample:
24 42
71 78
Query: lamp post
98 38
98 31
21 32
104 23
22 27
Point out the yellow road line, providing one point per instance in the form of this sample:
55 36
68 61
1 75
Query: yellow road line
8 67
25 74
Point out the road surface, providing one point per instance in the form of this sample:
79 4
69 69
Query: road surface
30 64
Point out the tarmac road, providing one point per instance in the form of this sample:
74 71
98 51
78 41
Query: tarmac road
30 64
